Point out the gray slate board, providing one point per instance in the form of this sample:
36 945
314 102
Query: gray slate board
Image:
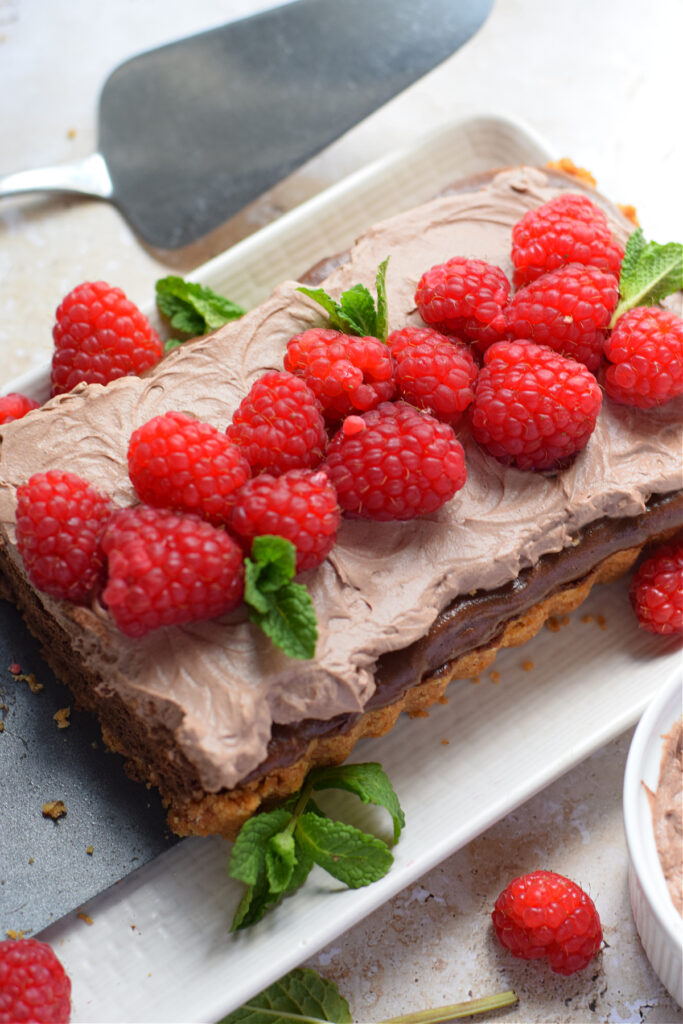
45 871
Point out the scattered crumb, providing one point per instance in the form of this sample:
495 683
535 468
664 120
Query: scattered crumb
2 725
71 134
54 809
61 717
12 934
565 620
587 618
31 860
33 684
132 927
85 917
418 714
629 212
443 699
601 621
94 745
569 167
445 742
15 669
552 623
495 676
90 850
527 665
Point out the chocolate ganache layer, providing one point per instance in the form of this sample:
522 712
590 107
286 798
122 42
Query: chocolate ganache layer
217 691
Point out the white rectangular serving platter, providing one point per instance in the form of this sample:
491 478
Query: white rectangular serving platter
159 947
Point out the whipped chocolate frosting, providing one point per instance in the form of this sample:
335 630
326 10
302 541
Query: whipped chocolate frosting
220 685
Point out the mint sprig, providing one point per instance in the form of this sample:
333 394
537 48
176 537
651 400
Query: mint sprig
304 997
282 609
275 850
649 272
356 312
301 997
192 308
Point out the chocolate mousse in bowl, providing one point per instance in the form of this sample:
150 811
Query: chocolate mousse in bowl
653 820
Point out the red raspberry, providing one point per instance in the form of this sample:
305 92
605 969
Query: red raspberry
166 568
34 987
279 425
568 309
533 408
464 297
14 406
646 348
395 462
178 462
433 372
545 915
567 229
657 590
100 335
300 505
345 373
60 523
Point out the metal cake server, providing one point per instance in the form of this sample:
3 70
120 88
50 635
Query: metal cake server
190 132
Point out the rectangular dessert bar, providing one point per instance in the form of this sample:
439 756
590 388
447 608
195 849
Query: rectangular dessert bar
210 712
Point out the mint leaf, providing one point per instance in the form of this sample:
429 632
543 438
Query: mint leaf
193 308
282 609
290 621
368 781
382 325
348 854
247 860
356 312
280 861
301 996
649 273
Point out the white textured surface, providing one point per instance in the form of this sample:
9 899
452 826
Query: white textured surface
600 79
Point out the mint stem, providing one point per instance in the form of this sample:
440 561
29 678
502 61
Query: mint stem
441 1014
300 806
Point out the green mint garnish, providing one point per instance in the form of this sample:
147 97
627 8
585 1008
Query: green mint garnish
275 850
649 273
301 997
282 609
304 997
356 312
192 308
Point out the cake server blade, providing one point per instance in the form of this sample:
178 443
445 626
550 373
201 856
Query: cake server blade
192 131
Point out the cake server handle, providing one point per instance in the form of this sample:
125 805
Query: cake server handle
89 177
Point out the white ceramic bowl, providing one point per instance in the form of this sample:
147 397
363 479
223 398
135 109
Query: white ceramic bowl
659 925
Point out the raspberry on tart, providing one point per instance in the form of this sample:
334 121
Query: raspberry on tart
657 589
14 405
278 426
533 407
166 568
300 505
433 372
100 335
466 297
395 462
346 373
544 915
175 461
567 309
61 520
645 351
567 229
34 986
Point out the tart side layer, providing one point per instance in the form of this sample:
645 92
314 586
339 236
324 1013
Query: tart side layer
217 687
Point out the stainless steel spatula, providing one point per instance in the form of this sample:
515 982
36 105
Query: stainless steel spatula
189 133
